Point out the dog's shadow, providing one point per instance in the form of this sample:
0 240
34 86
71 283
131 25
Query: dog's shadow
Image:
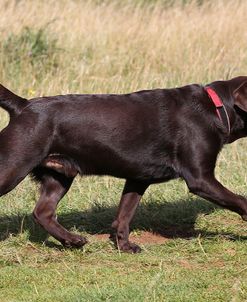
170 220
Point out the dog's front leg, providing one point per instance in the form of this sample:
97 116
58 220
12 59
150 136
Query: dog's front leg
131 196
53 188
209 188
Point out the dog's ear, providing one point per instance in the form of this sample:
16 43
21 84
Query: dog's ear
240 96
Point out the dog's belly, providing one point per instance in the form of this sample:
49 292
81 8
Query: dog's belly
123 168
143 172
134 163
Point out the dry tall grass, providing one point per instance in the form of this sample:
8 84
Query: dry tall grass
120 48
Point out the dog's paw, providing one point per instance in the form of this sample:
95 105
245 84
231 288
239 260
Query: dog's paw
75 241
129 247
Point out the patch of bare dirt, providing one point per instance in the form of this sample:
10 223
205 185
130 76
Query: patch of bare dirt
142 237
185 264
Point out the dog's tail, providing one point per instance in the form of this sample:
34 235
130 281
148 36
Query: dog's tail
11 102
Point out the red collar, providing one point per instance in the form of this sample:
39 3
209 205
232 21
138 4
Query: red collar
220 108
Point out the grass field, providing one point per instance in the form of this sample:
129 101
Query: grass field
198 252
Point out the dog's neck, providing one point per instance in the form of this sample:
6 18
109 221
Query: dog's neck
237 117
220 108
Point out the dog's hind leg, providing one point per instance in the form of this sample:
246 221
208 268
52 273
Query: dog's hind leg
53 187
13 169
10 178
131 196
21 149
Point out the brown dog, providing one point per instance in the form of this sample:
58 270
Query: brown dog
144 137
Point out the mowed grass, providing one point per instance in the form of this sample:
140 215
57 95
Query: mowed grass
56 47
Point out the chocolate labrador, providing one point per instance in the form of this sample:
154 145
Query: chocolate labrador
145 137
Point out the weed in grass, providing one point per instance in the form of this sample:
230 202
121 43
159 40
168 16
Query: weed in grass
30 50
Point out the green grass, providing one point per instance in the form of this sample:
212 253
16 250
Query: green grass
56 47
203 258
167 273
